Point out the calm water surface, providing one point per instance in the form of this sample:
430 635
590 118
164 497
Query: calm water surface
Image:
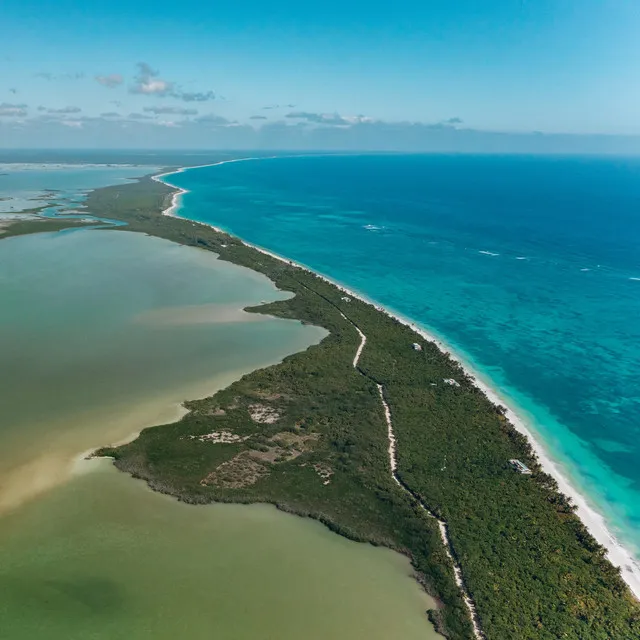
104 558
25 186
101 334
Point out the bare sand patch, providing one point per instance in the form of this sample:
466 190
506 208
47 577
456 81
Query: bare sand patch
324 471
263 414
241 471
220 437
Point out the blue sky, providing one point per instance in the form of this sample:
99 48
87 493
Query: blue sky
516 66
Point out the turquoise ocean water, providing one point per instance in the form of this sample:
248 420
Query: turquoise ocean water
528 267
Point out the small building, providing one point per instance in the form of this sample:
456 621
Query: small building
520 466
417 347
346 298
451 381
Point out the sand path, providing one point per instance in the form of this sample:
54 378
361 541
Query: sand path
393 465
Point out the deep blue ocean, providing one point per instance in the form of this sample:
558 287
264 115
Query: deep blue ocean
529 267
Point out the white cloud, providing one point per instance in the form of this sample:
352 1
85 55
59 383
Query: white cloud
212 118
158 86
180 111
140 116
110 81
327 119
13 110
196 96
46 75
358 119
64 110
148 83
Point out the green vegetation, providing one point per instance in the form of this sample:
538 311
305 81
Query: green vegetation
309 436
36 225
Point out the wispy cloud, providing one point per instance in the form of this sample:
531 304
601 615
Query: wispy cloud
327 119
13 110
110 81
359 119
46 75
211 131
258 118
212 118
62 111
195 96
178 111
147 81
110 114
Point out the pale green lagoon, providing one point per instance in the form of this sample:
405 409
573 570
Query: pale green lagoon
101 334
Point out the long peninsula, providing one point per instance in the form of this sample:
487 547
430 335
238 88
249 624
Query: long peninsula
384 438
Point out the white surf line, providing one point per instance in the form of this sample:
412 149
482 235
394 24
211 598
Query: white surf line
173 207
393 464
590 516
175 197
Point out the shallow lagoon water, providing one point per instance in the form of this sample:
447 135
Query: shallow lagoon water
86 361
101 334
29 186
103 557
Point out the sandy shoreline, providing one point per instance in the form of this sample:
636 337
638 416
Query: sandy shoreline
595 523
171 210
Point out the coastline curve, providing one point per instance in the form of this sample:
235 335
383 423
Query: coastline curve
589 515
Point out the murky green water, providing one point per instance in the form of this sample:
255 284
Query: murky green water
101 334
